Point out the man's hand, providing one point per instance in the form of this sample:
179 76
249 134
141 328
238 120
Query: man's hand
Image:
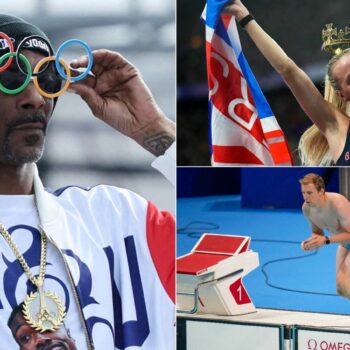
314 242
118 96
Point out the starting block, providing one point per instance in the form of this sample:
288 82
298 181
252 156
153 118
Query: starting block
209 279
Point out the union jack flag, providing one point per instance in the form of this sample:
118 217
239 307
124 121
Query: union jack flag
244 130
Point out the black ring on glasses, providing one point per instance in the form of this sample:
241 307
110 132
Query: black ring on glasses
51 53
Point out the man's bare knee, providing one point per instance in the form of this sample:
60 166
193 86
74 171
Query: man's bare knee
342 290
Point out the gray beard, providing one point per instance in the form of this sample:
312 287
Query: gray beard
14 157
17 157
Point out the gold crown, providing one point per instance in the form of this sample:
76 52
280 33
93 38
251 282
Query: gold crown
335 41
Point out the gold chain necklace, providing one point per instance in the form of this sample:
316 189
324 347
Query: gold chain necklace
43 310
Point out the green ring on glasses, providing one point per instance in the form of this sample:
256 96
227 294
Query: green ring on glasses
29 74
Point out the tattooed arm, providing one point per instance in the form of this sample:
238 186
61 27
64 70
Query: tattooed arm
118 96
157 144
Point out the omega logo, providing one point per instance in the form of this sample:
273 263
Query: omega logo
327 345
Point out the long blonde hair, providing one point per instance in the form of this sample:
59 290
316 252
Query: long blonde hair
313 146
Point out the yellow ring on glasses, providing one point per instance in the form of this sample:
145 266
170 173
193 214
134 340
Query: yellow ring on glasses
65 86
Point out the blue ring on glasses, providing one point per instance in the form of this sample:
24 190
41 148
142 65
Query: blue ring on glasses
59 52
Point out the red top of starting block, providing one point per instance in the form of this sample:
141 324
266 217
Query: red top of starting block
196 262
211 249
222 244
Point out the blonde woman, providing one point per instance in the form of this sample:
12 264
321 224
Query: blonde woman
327 142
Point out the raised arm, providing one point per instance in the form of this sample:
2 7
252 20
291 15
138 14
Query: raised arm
117 95
326 117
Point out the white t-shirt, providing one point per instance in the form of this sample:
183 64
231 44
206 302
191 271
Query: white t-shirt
19 215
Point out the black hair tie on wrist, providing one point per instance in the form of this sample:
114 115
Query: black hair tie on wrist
245 20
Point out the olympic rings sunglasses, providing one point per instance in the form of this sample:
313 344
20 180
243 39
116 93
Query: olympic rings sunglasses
51 75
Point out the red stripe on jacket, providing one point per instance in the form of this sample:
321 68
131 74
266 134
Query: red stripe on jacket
161 242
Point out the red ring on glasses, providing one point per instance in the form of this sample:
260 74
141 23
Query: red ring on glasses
10 43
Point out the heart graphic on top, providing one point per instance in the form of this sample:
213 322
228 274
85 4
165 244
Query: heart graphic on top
243 112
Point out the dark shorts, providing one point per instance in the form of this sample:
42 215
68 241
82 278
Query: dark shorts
346 246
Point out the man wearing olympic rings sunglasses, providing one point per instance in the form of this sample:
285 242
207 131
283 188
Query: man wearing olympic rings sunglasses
98 261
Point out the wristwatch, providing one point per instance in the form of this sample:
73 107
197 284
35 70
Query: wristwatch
327 241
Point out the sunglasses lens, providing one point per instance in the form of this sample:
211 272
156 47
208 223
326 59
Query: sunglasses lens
49 80
12 78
